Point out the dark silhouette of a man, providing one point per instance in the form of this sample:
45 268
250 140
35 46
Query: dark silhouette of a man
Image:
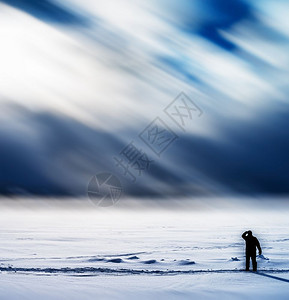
251 244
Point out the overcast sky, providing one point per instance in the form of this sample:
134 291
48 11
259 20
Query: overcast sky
82 80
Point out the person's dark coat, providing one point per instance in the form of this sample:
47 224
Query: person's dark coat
251 243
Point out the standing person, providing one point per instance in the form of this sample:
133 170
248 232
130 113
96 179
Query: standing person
251 244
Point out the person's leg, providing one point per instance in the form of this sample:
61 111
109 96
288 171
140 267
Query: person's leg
247 262
254 262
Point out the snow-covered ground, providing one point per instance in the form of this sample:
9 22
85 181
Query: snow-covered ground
141 253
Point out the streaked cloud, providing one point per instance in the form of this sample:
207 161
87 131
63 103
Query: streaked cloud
80 79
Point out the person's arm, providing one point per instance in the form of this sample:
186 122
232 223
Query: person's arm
244 235
258 246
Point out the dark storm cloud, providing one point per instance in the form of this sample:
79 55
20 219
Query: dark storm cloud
252 158
52 156
56 155
49 155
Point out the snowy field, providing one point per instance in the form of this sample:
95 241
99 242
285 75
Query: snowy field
116 253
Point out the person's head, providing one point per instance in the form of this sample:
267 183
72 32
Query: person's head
249 233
